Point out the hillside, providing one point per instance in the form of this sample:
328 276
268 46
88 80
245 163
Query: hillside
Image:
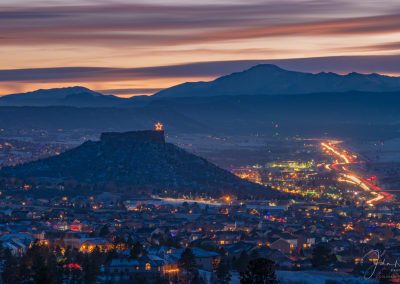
135 161
352 114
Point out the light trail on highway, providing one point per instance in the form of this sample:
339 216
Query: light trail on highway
343 159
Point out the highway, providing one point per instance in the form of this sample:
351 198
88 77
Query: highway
343 159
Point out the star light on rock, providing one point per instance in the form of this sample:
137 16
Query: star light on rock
158 126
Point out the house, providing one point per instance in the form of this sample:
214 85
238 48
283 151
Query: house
282 245
293 240
235 250
16 247
73 240
227 237
205 260
123 269
265 252
17 243
89 244
122 266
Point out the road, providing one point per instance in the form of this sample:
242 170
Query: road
343 160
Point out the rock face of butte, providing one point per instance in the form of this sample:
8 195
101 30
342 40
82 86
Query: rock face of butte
135 161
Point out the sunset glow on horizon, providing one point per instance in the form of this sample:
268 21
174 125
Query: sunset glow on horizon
131 48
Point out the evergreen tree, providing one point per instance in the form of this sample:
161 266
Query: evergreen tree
111 255
55 268
24 269
223 272
197 279
322 256
242 262
9 275
130 242
136 250
259 271
89 269
117 242
41 272
188 261
385 275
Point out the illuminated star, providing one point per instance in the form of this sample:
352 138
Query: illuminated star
158 126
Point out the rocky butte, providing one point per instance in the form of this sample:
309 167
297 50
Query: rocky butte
133 162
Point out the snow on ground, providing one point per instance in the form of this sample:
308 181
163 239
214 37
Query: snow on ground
313 277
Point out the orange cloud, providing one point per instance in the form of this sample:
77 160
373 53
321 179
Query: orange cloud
172 24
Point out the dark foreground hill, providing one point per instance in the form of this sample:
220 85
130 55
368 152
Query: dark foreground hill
136 162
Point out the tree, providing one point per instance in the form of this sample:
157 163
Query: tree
223 272
137 278
24 269
301 252
137 250
90 268
161 280
385 276
55 268
197 279
10 267
40 264
322 256
41 272
259 271
241 263
111 255
187 264
188 261
118 241
130 242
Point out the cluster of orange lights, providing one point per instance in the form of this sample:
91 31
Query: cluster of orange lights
171 269
252 176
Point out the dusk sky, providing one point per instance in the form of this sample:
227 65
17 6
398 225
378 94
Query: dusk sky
136 47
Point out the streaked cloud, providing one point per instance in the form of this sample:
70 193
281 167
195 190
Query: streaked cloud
138 46
89 76
177 24
388 46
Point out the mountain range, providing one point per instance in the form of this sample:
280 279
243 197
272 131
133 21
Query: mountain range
135 162
291 103
70 96
267 79
264 79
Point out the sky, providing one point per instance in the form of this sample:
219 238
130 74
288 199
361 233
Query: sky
137 47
